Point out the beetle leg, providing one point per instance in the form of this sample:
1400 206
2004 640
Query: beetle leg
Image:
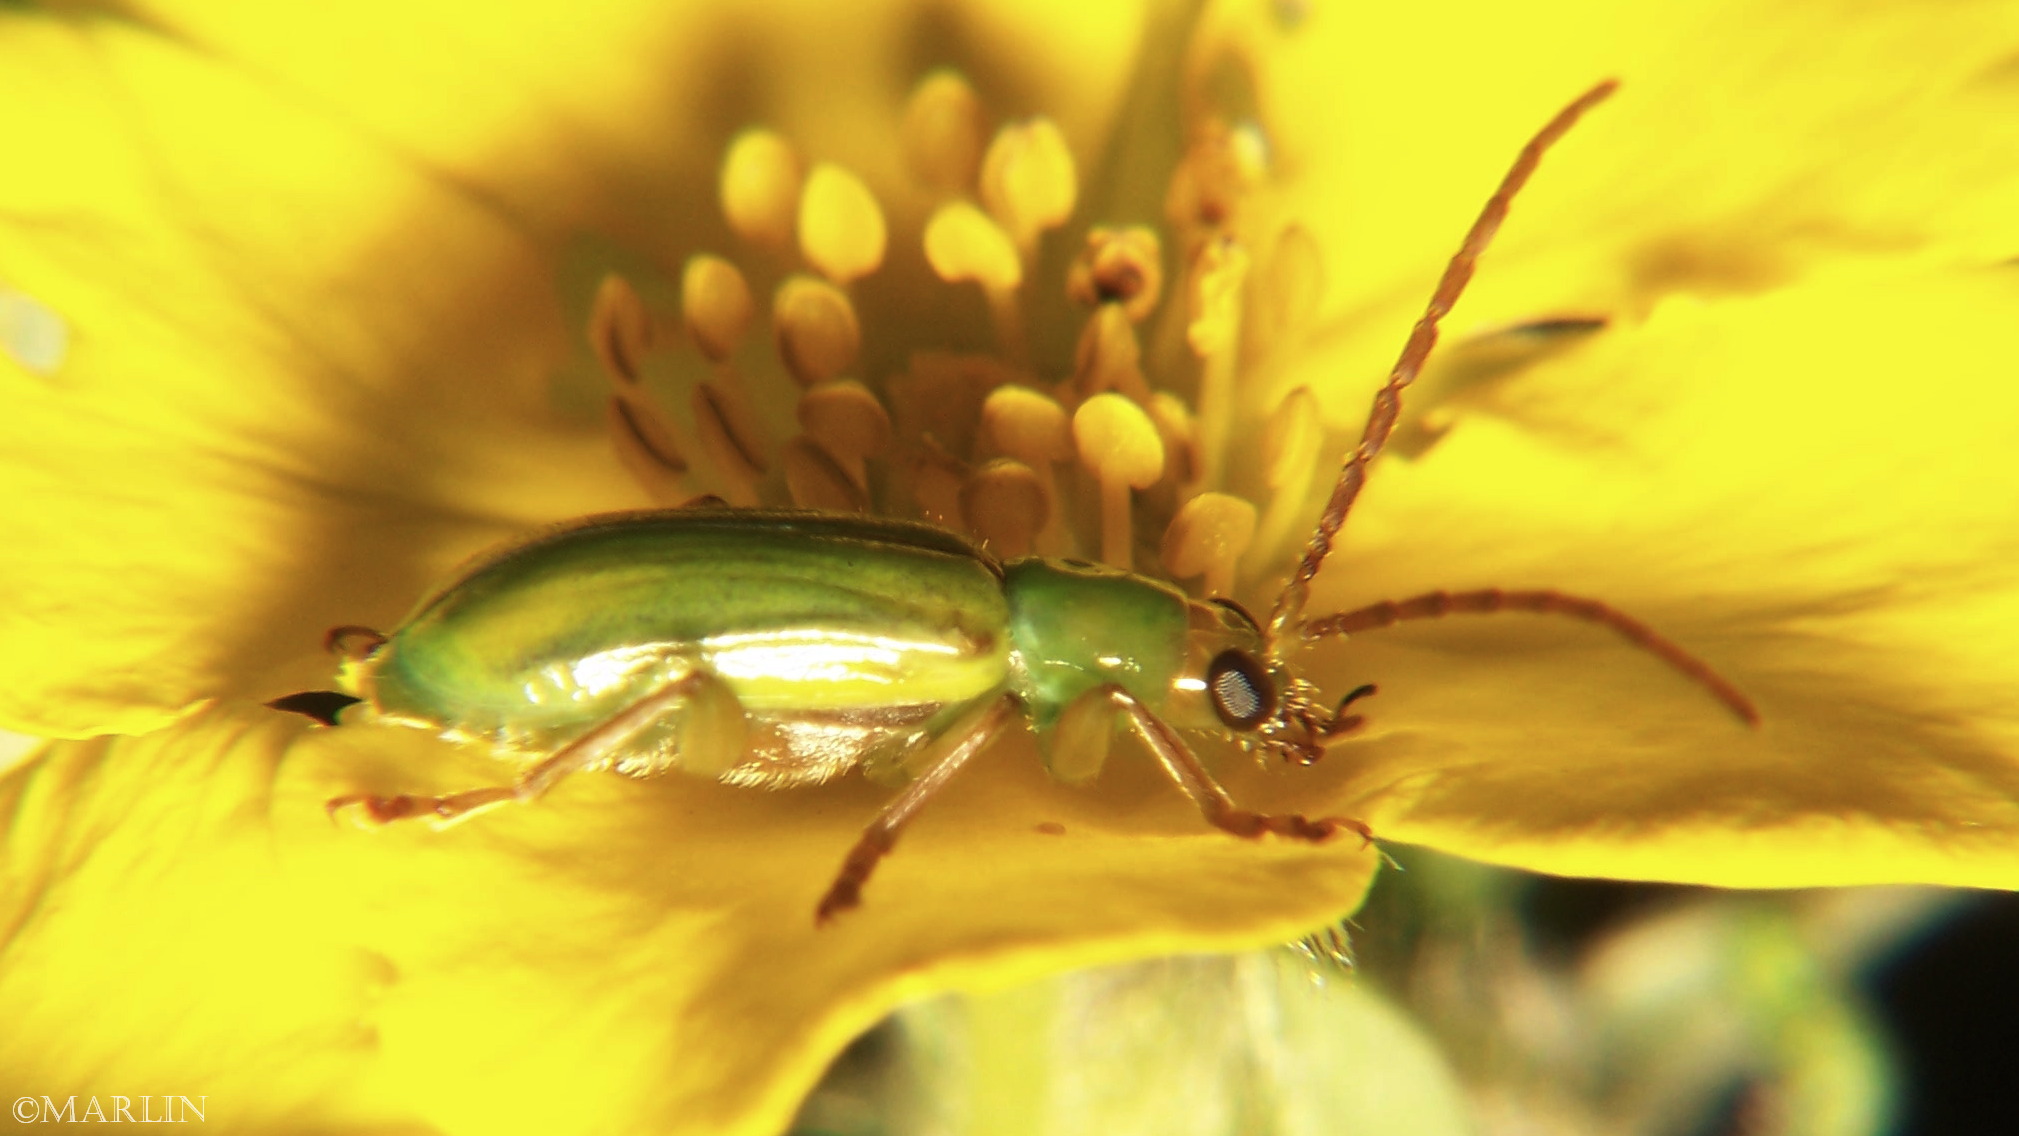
352 642
969 734
1076 747
599 744
1221 812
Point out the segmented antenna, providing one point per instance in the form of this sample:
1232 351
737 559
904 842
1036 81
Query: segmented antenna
1388 402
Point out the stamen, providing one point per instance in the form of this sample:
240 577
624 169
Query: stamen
1006 506
1209 536
841 229
1217 277
943 129
1119 445
760 188
1032 428
620 330
1293 443
1119 265
962 243
1181 439
1218 170
716 304
848 422
1288 289
1028 180
818 335
729 434
646 447
816 481
1109 357
1026 424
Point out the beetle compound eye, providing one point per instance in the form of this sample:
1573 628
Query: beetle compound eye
1243 696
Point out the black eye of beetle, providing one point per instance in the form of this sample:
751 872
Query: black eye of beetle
1243 696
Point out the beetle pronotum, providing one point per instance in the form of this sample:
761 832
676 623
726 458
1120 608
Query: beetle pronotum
773 648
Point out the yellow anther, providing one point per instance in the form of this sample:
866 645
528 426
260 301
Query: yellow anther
1220 167
1027 425
1208 537
1109 357
1123 266
818 336
1030 426
841 227
1118 443
962 243
716 304
1173 416
1247 148
1292 438
760 188
1293 441
1006 504
1288 288
848 422
1218 274
647 448
1115 438
816 481
1028 180
943 128
620 330
729 433
1215 283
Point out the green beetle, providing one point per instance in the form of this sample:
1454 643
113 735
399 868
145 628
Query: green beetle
776 648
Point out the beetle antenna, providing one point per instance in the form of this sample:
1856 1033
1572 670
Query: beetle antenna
1388 402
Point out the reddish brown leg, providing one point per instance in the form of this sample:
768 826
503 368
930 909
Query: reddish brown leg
352 642
1184 767
970 733
599 743
1486 601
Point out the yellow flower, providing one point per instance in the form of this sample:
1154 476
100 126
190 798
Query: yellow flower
288 310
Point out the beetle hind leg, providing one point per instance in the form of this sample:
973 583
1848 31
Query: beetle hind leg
973 731
708 723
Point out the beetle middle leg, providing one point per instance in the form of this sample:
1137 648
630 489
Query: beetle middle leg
970 733
1220 811
713 739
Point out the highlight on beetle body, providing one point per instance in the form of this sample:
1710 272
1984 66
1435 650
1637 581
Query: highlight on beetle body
768 646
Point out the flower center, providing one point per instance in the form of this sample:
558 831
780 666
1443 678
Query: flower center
1123 450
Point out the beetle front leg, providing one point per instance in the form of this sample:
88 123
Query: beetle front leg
1220 811
971 732
602 742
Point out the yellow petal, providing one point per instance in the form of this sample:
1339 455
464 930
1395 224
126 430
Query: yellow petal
278 304
1814 492
276 369
621 956
1822 138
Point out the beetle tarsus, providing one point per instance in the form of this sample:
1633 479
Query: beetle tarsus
1294 826
845 893
385 810
352 642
